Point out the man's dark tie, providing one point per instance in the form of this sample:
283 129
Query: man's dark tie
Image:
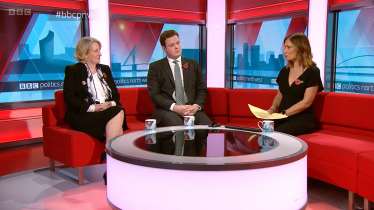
179 143
179 93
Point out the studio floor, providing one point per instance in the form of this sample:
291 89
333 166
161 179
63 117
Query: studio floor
26 183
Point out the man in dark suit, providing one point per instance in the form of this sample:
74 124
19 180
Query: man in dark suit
176 85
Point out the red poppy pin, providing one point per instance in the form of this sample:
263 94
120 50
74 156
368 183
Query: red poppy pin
83 82
185 65
104 75
298 82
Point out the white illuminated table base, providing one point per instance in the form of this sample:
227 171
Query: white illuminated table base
139 179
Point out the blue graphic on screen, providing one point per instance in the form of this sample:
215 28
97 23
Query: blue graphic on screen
355 52
38 64
134 45
257 65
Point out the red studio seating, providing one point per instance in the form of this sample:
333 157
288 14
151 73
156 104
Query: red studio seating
341 151
366 177
76 149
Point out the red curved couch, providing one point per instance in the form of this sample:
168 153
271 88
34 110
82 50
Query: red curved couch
341 151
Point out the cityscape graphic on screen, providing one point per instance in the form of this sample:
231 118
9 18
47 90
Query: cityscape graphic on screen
39 46
43 46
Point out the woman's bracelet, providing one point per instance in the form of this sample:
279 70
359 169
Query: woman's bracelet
274 109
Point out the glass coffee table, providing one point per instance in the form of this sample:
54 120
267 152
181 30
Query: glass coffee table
206 168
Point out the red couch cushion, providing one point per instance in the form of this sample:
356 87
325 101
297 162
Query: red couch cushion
135 125
366 164
366 175
331 173
60 104
240 98
217 102
344 109
216 105
365 187
71 147
136 101
339 148
346 130
49 115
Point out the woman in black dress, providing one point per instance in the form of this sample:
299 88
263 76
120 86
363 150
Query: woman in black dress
91 94
299 82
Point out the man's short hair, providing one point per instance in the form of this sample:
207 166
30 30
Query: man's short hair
167 34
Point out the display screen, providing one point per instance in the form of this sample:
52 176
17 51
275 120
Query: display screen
354 70
37 48
258 51
134 45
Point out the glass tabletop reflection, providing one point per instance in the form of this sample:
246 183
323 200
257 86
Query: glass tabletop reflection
206 143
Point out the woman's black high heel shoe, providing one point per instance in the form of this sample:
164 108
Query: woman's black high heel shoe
104 177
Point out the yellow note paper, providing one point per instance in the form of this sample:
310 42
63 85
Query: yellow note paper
263 114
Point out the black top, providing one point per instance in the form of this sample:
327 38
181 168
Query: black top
295 93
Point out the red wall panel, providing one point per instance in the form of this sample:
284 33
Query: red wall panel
335 2
65 4
178 9
244 9
233 5
190 5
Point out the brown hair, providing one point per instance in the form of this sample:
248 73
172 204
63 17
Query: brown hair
304 51
84 46
167 34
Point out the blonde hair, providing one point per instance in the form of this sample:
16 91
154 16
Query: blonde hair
84 46
304 51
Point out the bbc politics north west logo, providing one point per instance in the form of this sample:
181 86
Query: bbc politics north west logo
28 86
50 85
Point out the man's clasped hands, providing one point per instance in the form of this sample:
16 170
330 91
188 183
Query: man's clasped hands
186 110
